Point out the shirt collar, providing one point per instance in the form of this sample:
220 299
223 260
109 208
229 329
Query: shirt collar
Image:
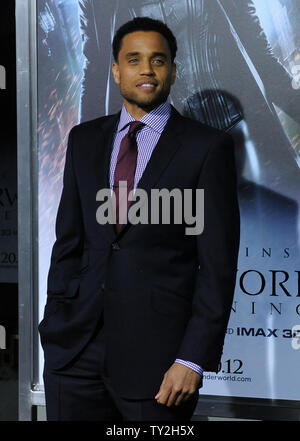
156 119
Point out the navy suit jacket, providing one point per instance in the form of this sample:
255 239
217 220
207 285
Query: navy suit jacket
162 294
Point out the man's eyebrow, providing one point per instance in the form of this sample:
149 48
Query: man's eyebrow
132 54
160 54
154 54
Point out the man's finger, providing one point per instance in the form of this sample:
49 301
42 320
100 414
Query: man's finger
184 396
161 390
174 395
163 395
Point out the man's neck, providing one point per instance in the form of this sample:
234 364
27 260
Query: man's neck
137 112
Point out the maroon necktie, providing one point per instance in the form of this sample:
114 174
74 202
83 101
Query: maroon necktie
125 169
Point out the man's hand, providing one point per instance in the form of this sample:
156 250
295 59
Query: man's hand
179 383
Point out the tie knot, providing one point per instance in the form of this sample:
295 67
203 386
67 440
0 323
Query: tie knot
134 126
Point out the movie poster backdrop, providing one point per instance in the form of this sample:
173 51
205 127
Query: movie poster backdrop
238 69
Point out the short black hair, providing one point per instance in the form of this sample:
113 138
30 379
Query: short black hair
144 24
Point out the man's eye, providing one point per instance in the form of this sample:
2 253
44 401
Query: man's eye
158 61
133 60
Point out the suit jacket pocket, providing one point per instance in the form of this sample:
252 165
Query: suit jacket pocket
70 292
57 302
72 288
169 303
52 305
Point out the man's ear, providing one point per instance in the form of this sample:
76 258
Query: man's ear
116 72
173 78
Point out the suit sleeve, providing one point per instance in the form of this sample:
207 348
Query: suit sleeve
67 249
217 250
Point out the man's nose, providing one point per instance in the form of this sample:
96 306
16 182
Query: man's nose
146 68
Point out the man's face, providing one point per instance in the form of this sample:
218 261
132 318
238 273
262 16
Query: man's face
144 71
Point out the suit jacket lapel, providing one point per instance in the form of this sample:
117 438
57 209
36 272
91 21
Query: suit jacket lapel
102 163
163 152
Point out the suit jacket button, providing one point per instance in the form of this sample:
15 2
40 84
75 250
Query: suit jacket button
115 246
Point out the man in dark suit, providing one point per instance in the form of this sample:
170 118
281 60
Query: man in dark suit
136 311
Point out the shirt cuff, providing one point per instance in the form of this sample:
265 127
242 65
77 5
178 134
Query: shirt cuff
191 365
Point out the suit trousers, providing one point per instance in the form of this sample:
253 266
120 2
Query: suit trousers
82 392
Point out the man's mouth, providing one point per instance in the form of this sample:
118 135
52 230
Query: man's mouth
147 86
